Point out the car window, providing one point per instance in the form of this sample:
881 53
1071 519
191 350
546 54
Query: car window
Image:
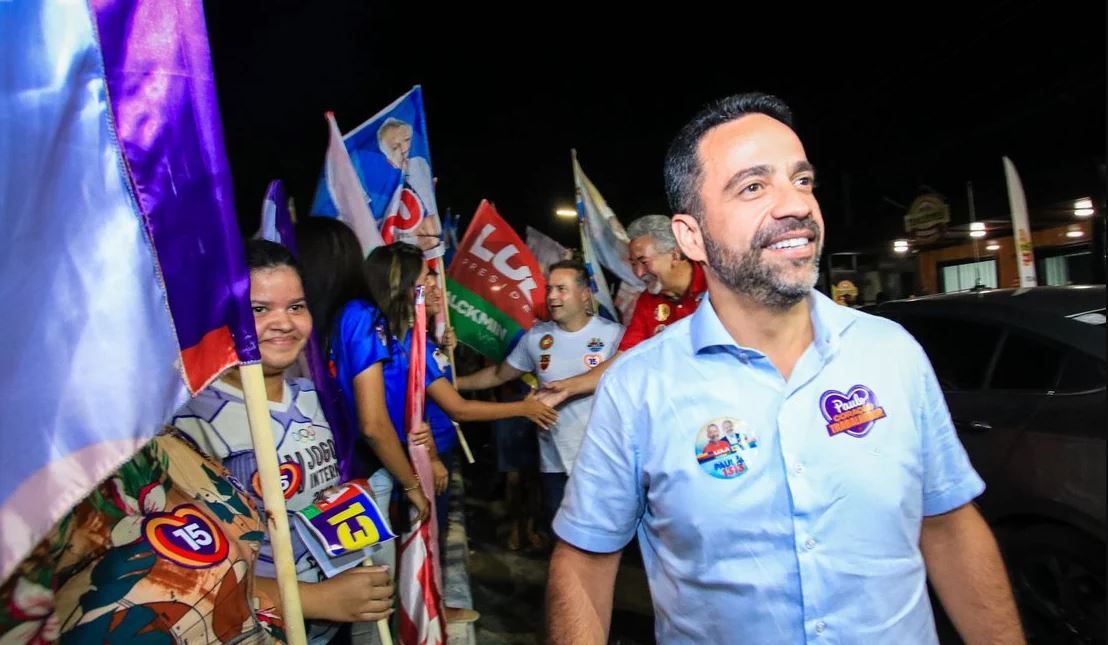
1081 373
960 350
1026 363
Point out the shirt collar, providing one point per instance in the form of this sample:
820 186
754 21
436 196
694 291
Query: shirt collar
829 322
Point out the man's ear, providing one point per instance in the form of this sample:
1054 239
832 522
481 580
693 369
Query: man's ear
690 239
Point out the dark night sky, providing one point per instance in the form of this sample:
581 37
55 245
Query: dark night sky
931 96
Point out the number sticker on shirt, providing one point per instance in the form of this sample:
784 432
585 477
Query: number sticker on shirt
186 536
291 477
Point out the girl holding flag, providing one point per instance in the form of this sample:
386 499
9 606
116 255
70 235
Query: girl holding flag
216 421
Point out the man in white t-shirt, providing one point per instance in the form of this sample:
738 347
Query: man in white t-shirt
573 342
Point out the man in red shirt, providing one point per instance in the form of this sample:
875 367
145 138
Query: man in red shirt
674 287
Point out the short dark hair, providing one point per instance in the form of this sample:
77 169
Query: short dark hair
683 170
263 254
573 265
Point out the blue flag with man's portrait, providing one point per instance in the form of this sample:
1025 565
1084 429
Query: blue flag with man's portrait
392 158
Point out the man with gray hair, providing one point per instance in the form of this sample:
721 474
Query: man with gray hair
674 287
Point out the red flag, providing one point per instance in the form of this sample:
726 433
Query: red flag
495 264
420 579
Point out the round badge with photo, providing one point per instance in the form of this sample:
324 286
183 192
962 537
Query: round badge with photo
721 445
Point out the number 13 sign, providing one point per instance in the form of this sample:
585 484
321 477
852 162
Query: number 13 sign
347 521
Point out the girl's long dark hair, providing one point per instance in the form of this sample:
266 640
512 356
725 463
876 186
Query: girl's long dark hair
331 268
391 273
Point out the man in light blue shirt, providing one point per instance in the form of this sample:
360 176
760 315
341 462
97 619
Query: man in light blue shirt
847 486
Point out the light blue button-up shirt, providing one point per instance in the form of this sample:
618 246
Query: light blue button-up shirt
773 511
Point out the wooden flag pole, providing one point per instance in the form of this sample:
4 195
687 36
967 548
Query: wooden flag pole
277 519
450 354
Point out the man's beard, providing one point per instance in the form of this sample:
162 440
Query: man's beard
750 275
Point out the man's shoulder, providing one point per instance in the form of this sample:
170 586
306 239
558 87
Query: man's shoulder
606 325
655 355
869 328
530 341
540 329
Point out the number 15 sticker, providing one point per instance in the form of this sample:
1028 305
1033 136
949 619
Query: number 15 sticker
186 536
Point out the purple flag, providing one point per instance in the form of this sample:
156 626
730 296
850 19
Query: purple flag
123 255
276 223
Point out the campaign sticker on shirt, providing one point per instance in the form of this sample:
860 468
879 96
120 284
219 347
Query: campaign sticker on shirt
544 361
592 360
661 312
595 344
186 536
546 342
720 445
854 413
291 476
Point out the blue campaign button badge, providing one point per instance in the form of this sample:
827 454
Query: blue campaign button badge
721 445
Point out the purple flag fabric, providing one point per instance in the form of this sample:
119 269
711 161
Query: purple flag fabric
276 223
123 254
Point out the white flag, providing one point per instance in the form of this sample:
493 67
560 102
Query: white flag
546 249
1021 230
346 191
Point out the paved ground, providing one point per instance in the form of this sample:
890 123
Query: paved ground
508 587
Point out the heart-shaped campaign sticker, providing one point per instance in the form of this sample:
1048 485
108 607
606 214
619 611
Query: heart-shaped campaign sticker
291 476
186 536
854 413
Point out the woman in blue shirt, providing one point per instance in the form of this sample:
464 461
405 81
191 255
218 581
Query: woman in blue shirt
393 273
355 348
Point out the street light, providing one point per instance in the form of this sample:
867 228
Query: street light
992 246
977 229
1083 208
900 246
566 212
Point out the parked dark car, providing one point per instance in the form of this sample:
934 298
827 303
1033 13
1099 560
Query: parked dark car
1023 372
